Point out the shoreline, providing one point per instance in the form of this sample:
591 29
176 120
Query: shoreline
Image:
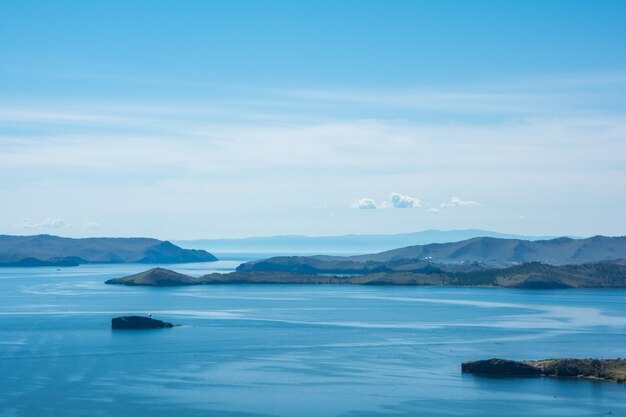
161 277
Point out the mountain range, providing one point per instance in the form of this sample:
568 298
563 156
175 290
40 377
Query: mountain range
464 256
344 244
47 250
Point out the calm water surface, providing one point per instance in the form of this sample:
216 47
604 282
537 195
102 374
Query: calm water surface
269 350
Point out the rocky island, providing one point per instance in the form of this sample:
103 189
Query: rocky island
138 323
601 369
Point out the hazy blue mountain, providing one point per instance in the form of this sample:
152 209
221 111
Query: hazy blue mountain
47 250
348 244
466 255
559 251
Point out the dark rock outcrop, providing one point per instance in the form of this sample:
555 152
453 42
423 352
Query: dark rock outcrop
500 367
138 323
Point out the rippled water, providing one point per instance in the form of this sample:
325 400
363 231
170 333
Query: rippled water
269 350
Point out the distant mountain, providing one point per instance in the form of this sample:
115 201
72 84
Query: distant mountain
463 256
47 250
559 251
347 244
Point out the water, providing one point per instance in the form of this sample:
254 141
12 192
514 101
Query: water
268 350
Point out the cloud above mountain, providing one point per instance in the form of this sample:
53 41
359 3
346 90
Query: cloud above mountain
364 204
457 202
46 223
394 200
403 201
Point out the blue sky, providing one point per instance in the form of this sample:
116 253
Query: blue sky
218 119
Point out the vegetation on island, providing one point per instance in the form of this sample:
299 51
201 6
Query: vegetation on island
602 369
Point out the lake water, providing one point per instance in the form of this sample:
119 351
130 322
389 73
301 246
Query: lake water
269 350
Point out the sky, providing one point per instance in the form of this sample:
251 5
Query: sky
205 119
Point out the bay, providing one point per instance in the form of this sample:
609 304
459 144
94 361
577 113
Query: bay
294 350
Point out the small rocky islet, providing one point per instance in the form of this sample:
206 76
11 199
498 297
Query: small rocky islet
138 323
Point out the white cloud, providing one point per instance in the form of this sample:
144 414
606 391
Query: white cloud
92 225
364 204
433 210
395 200
403 201
48 223
26 224
457 202
53 223
103 151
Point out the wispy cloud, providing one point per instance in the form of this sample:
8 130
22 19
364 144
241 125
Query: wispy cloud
457 202
163 155
46 223
364 204
499 102
529 95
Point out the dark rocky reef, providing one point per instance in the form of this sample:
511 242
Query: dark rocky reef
138 323
603 369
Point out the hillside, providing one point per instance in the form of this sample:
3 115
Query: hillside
464 256
157 277
604 369
47 250
559 251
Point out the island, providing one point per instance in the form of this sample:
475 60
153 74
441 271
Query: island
599 369
47 250
138 323
532 276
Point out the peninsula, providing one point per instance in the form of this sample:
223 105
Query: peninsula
602 369
527 276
